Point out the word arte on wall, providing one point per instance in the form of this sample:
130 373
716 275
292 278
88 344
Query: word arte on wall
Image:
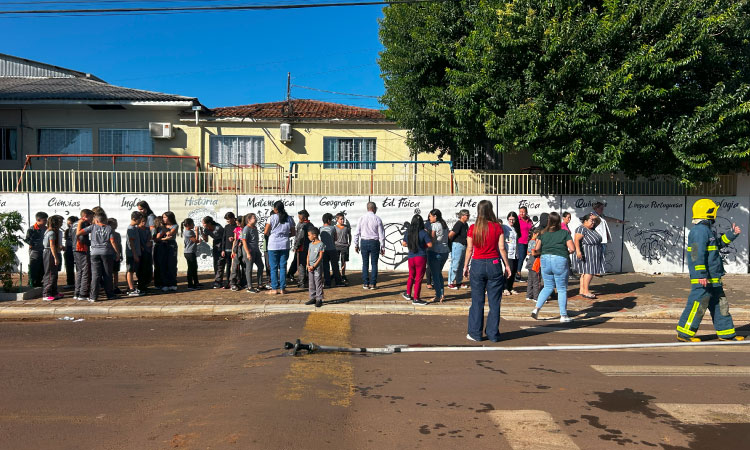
651 241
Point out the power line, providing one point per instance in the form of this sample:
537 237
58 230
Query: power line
182 9
334 92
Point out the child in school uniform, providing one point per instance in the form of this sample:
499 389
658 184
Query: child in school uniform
238 266
315 250
169 241
81 256
52 258
133 253
70 245
534 282
157 231
191 240
102 257
331 255
250 252
145 266
343 241
112 222
34 238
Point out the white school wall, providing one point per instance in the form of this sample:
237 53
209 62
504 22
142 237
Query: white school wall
652 241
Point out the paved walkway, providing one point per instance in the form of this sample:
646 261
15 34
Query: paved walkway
624 296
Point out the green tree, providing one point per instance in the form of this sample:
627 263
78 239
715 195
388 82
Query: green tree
642 86
10 240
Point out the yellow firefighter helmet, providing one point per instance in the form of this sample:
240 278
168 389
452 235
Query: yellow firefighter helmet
704 209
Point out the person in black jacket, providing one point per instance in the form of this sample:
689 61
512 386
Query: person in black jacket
70 245
301 243
34 238
216 232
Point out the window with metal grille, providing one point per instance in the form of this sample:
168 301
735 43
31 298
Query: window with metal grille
8 144
482 158
115 141
65 141
237 151
349 149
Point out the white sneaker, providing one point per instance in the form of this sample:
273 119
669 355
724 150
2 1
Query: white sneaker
534 313
565 319
165 289
172 288
468 336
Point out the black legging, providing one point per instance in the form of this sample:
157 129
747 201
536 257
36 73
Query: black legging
513 266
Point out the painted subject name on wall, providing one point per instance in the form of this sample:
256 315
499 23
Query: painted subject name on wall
334 204
728 205
64 203
129 204
655 205
529 205
583 203
3 202
255 202
466 203
198 201
402 202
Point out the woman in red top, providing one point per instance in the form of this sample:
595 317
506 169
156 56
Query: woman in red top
486 241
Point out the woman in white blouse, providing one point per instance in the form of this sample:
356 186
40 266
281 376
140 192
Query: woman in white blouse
512 231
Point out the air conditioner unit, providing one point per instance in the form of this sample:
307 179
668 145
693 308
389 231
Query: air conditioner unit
286 132
161 130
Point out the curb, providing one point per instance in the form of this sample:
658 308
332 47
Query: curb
175 311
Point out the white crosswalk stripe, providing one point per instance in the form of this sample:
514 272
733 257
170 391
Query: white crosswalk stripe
531 429
707 414
684 348
672 371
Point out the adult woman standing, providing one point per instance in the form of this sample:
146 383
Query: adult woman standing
554 245
525 224
512 232
146 265
279 229
457 237
485 246
589 256
438 253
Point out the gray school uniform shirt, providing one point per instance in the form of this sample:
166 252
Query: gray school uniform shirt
100 236
313 251
135 248
343 237
327 236
250 235
48 236
189 245
440 244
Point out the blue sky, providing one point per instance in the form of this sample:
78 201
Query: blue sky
224 59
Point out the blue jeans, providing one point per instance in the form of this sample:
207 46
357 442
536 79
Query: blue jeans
486 276
277 260
555 275
437 261
370 249
458 255
521 250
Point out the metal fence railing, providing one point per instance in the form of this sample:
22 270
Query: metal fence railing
343 182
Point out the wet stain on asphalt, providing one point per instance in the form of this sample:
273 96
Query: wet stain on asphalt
570 421
540 386
483 363
712 436
626 400
613 434
544 369
424 429
487 408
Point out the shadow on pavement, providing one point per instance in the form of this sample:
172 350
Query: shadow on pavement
552 328
604 306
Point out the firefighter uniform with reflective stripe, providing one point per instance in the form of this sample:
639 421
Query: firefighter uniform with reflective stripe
704 261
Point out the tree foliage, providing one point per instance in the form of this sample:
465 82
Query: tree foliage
11 224
642 86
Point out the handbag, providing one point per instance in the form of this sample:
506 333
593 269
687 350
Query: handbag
537 266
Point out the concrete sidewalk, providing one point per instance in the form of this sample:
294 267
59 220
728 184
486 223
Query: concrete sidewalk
620 296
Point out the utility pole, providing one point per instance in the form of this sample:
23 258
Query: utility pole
288 86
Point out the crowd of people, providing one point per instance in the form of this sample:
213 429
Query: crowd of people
92 251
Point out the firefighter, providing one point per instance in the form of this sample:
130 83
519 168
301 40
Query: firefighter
706 270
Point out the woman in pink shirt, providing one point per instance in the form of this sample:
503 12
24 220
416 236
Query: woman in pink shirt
565 221
526 224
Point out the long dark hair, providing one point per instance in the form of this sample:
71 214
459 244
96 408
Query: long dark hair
485 215
553 223
417 225
144 204
170 216
439 217
281 211
186 222
516 224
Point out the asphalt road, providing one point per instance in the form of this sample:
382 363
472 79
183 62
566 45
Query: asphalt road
225 384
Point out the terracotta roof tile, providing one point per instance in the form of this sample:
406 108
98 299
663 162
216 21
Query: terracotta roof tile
300 109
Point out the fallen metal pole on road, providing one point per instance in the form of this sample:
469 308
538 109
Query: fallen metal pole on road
297 347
